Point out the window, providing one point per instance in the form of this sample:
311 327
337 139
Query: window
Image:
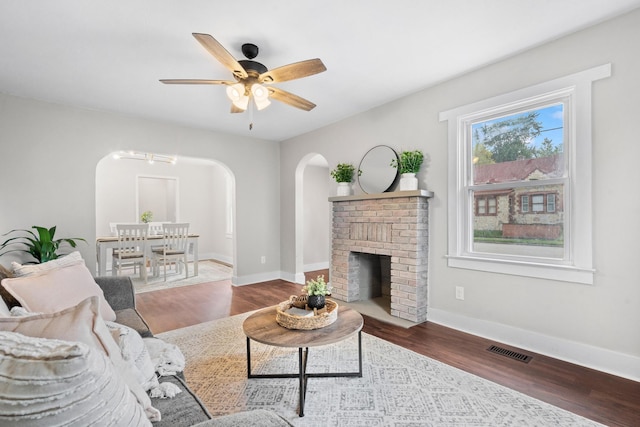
551 203
539 203
520 181
486 205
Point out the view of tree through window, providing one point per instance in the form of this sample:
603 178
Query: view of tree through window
517 183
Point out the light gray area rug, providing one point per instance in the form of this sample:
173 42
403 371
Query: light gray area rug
208 271
398 388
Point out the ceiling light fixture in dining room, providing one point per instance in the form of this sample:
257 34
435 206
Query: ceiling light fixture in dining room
150 158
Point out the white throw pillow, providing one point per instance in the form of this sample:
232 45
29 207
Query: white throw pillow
20 270
81 322
46 382
56 289
84 324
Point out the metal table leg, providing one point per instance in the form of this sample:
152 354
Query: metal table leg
302 375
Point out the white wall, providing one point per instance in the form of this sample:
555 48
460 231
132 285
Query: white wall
48 174
201 198
317 218
592 325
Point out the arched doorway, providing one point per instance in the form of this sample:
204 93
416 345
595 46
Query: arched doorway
204 197
312 216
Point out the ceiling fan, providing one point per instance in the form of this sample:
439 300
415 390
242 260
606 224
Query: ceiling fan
252 79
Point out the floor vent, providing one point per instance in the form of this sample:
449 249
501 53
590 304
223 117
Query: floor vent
509 353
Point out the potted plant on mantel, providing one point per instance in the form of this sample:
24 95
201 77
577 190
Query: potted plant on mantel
408 164
42 247
316 290
343 174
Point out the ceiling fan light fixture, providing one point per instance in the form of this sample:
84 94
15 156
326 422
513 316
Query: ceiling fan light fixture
236 94
260 96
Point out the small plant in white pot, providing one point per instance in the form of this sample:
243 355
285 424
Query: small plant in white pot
408 164
343 174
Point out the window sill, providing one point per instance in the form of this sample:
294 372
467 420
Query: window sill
563 273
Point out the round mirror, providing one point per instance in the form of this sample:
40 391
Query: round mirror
377 173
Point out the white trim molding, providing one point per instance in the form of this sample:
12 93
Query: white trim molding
601 359
577 263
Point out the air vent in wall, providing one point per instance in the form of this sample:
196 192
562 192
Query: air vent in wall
509 353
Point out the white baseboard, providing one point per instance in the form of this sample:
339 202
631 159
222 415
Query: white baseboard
316 266
216 257
298 278
619 364
256 278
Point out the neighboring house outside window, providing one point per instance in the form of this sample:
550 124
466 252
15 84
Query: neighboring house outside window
520 181
527 213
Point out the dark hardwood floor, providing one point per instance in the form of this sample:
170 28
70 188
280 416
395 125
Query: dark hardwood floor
610 400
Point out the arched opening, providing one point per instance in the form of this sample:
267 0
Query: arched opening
312 216
198 191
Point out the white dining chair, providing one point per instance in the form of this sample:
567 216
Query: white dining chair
132 249
173 249
155 228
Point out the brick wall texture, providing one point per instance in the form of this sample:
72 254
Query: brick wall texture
396 227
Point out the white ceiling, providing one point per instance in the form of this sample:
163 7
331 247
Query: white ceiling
109 55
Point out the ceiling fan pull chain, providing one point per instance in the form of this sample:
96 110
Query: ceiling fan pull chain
250 115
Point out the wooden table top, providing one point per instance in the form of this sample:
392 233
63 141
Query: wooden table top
262 327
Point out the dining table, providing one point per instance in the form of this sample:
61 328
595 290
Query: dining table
103 244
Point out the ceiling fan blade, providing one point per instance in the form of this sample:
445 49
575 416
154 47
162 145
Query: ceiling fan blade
221 54
293 71
196 82
290 99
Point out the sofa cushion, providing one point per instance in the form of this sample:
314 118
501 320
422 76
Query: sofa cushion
57 289
131 318
21 270
53 382
81 323
185 409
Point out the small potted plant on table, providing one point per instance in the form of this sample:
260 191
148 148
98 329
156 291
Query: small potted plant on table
316 291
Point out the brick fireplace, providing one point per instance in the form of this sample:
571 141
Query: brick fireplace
393 226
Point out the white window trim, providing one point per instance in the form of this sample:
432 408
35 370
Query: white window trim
578 240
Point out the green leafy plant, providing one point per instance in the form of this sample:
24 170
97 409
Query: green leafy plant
344 172
317 287
408 161
146 216
41 246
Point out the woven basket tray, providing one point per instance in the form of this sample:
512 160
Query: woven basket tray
320 319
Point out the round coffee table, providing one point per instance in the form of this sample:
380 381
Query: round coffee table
262 327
